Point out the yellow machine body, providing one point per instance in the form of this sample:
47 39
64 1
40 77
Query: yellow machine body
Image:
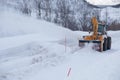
96 37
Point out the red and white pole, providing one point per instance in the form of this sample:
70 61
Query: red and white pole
69 71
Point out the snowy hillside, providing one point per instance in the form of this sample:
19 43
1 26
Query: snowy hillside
32 49
53 10
112 14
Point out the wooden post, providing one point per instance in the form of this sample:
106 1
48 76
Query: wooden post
65 44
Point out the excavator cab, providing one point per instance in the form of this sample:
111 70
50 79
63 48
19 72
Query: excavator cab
102 29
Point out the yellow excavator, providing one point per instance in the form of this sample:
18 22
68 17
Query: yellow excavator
99 37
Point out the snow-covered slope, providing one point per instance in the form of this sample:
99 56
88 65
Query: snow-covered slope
12 24
113 14
28 43
33 49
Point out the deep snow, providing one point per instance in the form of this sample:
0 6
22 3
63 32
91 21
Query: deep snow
33 49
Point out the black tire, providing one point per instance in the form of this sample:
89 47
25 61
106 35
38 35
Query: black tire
108 43
105 44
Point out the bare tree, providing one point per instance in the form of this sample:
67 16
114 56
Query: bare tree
39 7
64 12
47 10
25 6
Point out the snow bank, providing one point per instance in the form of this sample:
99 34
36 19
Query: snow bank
29 45
12 23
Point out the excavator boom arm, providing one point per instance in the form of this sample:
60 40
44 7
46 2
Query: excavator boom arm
95 26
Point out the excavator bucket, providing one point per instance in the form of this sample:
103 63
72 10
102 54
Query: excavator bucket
97 44
89 41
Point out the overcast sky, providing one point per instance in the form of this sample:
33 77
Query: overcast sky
104 2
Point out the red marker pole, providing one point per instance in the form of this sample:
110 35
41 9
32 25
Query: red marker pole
69 71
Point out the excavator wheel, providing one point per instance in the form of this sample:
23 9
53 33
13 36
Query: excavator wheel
105 44
108 43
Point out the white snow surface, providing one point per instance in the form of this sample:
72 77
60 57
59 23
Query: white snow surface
33 49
